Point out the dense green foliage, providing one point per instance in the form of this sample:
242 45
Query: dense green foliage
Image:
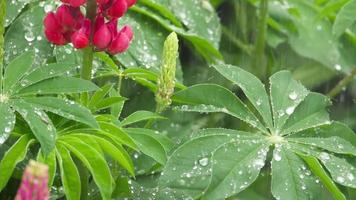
153 123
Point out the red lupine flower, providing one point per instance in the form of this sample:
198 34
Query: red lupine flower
102 37
68 24
74 3
117 9
120 44
128 31
51 23
80 38
34 185
55 37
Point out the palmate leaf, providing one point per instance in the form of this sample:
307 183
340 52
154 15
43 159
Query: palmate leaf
51 162
21 78
301 129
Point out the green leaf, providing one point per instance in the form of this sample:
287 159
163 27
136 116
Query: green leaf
139 116
16 69
251 86
115 151
44 72
39 123
290 178
318 170
59 85
12 157
335 137
116 109
51 162
7 122
99 95
286 94
108 102
69 173
27 33
214 98
95 163
193 158
310 113
344 18
65 108
149 146
13 8
162 139
118 134
340 169
235 166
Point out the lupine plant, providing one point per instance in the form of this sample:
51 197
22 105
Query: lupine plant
135 99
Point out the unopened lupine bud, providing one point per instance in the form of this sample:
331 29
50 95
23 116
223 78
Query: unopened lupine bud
102 37
119 44
127 30
118 9
34 185
80 38
166 81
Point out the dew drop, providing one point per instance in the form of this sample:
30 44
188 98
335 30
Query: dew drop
293 96
204 162
290 110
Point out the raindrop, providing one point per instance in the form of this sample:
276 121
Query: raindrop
293 96
277 156
259 102
29 36
338 67
204 162
350 176
340 179
324 156
290 110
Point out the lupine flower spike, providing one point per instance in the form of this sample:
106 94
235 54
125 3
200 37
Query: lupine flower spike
68 25
166 81
34 185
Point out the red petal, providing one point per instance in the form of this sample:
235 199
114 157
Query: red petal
120 44
128 31
118 9
55 37
51 23
102 37
77 3
101 2
80 40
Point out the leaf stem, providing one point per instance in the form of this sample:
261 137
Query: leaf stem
259 50
2 31
342 84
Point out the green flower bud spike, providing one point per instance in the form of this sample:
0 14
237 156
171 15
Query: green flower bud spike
166 81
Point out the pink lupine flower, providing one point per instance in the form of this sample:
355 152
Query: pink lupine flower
128 31
34 185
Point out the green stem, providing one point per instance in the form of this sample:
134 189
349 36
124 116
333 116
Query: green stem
259 51
238 43
88 53
342 84
2 31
